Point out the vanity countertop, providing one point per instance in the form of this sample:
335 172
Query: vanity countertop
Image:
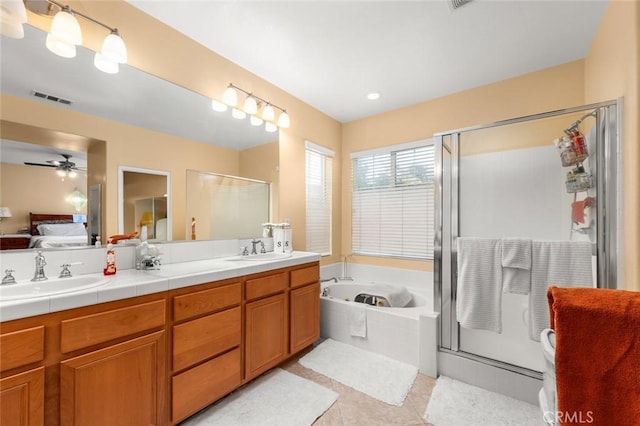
131 283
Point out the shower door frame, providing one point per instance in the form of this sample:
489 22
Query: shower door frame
608 210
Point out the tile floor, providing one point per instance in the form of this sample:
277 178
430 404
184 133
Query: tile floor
354 408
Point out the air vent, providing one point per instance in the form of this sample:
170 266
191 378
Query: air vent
51 98
454 4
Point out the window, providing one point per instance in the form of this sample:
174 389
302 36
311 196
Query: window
319 162
393 201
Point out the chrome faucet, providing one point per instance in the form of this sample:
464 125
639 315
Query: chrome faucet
253 248
334 279
40 264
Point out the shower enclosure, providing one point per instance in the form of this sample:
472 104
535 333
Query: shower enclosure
524 178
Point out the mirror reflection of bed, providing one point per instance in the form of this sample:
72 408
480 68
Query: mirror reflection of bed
57 230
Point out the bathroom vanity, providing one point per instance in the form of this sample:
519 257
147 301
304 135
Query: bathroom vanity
160 357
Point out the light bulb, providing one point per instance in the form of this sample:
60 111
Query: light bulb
72 174
256 121
250 105
61 173
105 64
65 27
270 127
230 96
283 120
218 106
113 48
238 113
268 114
60 47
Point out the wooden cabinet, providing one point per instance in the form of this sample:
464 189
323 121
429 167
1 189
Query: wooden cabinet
265 334
304 307
22 392
206 352
120 385
154 359
22 399
304 317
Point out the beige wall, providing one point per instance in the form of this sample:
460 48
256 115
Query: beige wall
29 189
546 90
612 70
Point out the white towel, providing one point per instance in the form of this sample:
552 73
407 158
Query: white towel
357 319
397 296
479 292
559 263
516 265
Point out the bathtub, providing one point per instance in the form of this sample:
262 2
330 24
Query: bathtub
406 334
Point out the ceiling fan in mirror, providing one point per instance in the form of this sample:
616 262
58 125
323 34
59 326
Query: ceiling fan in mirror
64 168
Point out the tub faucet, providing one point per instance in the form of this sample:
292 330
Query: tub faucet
334 279
40 264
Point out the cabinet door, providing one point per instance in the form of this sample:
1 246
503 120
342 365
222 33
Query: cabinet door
119 385
305 316
22 399
266 334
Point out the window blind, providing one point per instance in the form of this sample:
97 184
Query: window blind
393 203
318 198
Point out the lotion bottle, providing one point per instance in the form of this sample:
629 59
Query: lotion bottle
110 268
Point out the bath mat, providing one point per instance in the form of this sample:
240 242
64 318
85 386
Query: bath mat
454 403
278 398
376 375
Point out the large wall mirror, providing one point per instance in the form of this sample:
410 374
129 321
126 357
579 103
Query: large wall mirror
174 127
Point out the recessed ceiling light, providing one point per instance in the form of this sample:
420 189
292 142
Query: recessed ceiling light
373 96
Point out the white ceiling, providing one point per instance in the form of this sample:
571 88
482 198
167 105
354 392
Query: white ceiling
330 54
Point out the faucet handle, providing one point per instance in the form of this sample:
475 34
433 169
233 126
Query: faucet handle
262 249
66 272
8 277
245 252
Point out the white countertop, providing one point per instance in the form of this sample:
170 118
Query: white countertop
131 283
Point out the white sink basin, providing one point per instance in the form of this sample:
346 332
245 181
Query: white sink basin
262 257
29 289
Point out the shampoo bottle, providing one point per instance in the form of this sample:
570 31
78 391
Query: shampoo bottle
110 268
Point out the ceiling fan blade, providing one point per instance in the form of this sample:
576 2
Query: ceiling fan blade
55 162
39 164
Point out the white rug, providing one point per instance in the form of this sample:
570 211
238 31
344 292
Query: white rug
376 375
278 398
454 403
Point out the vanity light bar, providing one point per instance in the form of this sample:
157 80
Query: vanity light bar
251 105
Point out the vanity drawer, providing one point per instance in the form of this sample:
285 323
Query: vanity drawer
198 387
206 301
21 347
97 328
205 337
264 286
303 276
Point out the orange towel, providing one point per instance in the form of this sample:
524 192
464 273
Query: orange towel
597 355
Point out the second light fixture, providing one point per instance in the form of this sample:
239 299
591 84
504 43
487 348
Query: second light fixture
251 106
